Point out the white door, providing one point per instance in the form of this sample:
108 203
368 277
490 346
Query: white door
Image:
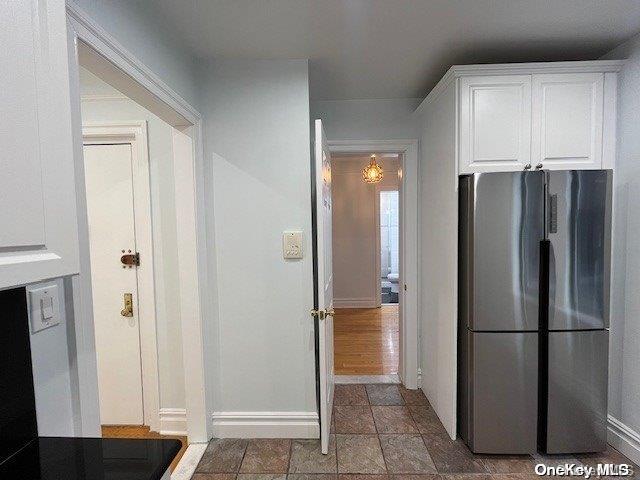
109 182
325 281
567 121
495 123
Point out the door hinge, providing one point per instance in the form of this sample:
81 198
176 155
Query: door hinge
318 313
130 260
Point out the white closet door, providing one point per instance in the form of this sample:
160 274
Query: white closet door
110 211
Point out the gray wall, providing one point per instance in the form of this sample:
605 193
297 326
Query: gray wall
387 119
624 369
257 157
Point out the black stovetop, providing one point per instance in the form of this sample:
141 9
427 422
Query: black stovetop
58 458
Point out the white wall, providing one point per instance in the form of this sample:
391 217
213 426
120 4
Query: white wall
356 229
439 258
386 119
95 108
257 155
140 31
624 364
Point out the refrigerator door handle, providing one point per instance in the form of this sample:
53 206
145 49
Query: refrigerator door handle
553 213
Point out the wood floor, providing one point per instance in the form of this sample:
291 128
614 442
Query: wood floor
138 431
365 341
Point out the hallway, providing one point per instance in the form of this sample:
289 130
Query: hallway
376 430
366 341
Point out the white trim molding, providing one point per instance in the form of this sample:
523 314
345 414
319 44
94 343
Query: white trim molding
103 97
624 439
358 379
189 461
173 421
409 238
355 303
266 425
106 45
456 71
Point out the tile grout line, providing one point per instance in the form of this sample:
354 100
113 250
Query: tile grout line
244 453
291 454
384 459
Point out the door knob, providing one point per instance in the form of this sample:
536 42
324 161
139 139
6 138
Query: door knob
318 313
538 166
127 311
329 312
527 166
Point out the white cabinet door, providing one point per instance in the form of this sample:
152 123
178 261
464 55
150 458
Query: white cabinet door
567 120
38 228
495 123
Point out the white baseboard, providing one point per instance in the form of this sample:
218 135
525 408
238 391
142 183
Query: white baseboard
624 439
355 303
265 425
173 421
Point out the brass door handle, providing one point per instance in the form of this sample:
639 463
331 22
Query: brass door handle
127 311
329 312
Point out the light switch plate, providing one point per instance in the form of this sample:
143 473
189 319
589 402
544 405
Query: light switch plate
292 245
44 308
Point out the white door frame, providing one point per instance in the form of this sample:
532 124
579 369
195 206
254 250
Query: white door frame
194 300
135 134
409 339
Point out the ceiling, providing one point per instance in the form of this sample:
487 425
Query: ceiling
397 48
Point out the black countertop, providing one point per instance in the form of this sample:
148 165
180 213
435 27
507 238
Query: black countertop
57 458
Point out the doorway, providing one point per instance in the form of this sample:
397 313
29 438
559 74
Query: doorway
114 196
406 152
132 237
366 260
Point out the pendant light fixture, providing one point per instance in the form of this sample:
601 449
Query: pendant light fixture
372 173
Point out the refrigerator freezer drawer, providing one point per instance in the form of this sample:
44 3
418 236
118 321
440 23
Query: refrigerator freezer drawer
504 398
577 391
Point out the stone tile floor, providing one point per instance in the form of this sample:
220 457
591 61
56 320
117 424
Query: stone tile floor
377 431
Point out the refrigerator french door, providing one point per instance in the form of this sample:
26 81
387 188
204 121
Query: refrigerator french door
533 303
579 241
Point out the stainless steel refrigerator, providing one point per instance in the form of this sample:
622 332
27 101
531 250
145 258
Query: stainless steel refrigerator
534 262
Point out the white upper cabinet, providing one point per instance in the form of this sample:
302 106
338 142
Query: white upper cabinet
567 120
495 123
38 228
551 116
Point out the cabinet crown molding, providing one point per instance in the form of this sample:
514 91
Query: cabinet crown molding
457 71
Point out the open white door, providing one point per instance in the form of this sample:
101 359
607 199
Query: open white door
324 285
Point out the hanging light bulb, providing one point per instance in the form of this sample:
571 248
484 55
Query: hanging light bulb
372 173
